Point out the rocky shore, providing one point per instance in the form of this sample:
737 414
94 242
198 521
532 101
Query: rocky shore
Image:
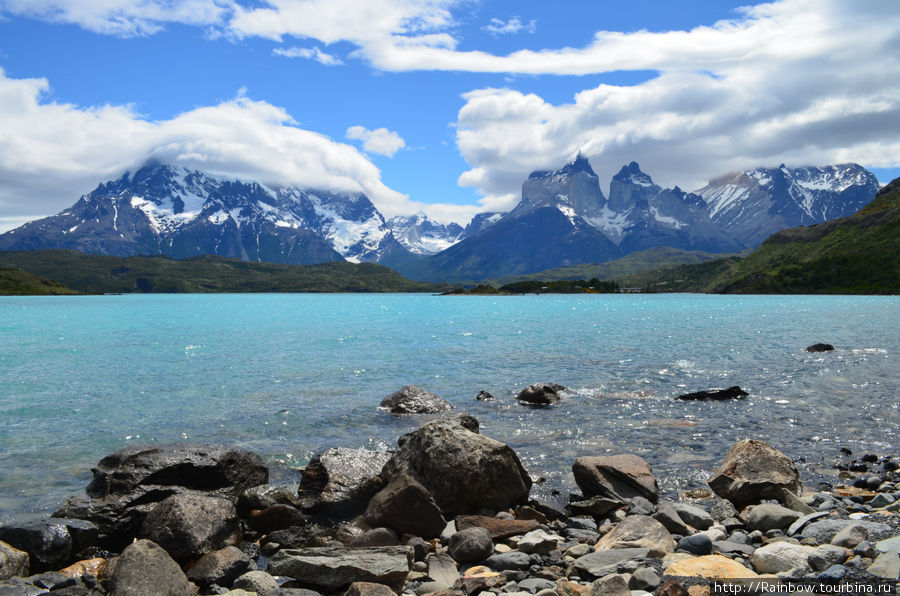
449 513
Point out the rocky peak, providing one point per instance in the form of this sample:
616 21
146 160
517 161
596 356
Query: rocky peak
579 164
632 174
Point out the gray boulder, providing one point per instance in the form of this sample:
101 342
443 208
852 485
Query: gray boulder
188 526
332 569
611 585
465 472
339 482
414 400
145 568
777 557
13 562
696 544
753 471
255 581
220 567
604 562
470 545
541 394
694 516
442 569
770 516
514 560
669 518
639 531
616 477
822 531
406 507
265 495
50 543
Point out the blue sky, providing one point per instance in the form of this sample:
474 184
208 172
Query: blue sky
442 106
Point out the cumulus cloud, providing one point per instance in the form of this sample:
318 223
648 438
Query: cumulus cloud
313 53
53 152
381 140
513 25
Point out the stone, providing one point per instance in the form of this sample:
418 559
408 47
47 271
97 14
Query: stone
770 516
266 495
753 471
539 541
640 506
478 581
188 526
881 500
259 582
339 482
603 562
465 472
669 518
694 516
540 394
696 544
886 565
777 557
585 536
275 517
220 567
709 567
406 507
828 555
500 529
509 561
470 545
414 400
333 568
639 531
734 392
850 536
888 545
533 585
97 567
803 521
673 588
47 542
13 562
377 537
368 589
644 578
130 482
823 530
442 570
610 585
820 348
728 547
484 396
596 506
617 477
145 568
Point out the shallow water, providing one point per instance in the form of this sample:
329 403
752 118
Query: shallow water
290 374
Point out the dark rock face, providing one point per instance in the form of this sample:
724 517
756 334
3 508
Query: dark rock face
50 543
13 562
332 569
414 400
130 482
189 526
444 457
339 482
220 567
499 529
406 507
820 348
275 517
617 477
145 568
734 392
753 471
541 394
484 396
470 545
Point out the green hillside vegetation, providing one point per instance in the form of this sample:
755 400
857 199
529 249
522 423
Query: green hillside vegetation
156 274
531 286
14 282
859 254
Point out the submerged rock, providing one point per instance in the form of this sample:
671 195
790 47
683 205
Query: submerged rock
820 348
541 394
753 471
414 400
734 392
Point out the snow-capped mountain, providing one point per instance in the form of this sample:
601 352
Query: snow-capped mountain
754 204
423 236
173 211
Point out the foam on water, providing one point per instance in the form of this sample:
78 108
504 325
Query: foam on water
289 375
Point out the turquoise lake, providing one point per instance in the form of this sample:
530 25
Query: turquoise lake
288 375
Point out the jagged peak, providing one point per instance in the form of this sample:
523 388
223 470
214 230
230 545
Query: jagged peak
632 173
579 164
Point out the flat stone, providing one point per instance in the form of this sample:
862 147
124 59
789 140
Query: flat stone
617 477
442 569
500 529
639 531
822 531
539 541
850 536
604 562
803 521
710 567
694 516
886 565
729 548
781 556
771 516
332 568
514 560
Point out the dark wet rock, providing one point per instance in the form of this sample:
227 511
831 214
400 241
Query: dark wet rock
669 518
604 562
694 516
820 348
465 472
484 396
255 581
770 516
188 526
309 535
220 567
339 482
145 568
48 542
275 517
834 573
405 506
466 420
13 562
734 392
753 471
330 569
470 545
696 544
541 394
266 495
414 400
639 531
510 560
500 529
616 477
376 537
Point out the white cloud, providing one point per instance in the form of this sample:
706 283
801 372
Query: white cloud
513 25
381 140
54 152
313 53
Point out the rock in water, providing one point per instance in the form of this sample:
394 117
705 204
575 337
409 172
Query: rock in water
753 471
339 482
734 392
406 507
465 472
541 394
332 569
414 400
145 568
616 477
820 348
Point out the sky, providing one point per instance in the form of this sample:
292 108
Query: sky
437 106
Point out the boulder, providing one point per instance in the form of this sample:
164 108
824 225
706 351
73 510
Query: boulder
275 517
610 585
540 542
188 526
465 472
255 581
617 477
822 531
339 482
513 560
734 392
414 400
886 565
13 562
376 537
97 567
669 518
220 567
696 544
442 569
604 562
266 495
694 516
639 531
777 557
130 482
541 394
470 545
368 589
500 529
710 567
820 348
406 507
771 516
145 568
850 536
49 542
753 471
484 396
330 569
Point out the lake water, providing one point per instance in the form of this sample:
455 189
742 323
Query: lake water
288 375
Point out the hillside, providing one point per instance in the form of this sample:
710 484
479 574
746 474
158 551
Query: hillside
157 274
14 282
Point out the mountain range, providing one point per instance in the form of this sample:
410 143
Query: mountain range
563 219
